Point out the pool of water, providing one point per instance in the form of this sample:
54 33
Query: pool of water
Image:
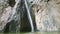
33 33
41 33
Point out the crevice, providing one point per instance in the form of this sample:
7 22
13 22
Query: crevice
11 3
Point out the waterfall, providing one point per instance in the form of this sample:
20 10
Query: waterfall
29 16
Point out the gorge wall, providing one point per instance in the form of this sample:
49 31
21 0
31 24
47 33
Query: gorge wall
45 15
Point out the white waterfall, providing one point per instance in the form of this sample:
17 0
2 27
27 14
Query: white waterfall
29 16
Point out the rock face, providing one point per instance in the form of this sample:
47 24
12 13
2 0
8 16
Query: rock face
10 17
46 14
25 26
2 5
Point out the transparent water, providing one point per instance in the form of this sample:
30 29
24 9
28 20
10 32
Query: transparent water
42 33
33 33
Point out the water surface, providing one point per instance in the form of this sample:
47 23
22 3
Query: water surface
42 33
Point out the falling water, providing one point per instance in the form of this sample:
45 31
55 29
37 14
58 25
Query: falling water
29 16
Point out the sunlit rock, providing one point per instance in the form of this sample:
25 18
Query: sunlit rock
9 16
47 14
